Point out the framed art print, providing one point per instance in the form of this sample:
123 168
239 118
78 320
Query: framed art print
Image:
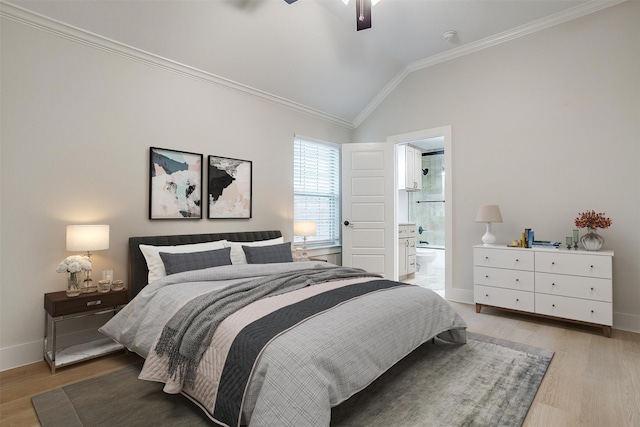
229 188
175 184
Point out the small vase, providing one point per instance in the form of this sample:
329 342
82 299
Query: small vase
73 284
592 241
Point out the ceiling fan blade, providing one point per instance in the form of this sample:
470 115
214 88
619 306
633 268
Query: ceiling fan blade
363 14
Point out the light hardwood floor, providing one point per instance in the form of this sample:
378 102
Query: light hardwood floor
592 381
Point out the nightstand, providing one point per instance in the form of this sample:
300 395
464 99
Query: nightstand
59 307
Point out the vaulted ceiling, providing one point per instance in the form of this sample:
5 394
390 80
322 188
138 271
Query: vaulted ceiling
309 52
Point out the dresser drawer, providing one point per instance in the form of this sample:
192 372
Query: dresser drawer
503 278
574 286
575 309
575 264
506 298
503 258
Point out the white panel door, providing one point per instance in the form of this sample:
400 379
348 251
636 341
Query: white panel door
368 214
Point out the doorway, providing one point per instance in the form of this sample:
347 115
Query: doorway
429 209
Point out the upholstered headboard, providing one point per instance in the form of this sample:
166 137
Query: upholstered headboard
138 272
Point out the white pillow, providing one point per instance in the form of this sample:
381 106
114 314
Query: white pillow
237 254
155 264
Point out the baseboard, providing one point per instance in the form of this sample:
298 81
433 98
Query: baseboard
32 352
464 296
20 355
626 322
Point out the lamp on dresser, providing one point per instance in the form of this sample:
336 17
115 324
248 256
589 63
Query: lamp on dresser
87 238
304 229
488 214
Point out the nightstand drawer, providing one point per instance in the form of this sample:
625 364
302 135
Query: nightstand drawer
59 304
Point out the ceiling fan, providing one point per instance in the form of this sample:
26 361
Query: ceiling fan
363 12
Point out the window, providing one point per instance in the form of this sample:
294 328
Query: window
316 189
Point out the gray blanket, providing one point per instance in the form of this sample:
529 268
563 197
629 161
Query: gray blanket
188 333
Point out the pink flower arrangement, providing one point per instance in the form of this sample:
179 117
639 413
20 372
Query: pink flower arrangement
592 220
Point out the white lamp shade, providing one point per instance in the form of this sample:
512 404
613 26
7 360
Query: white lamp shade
488 213
87 237
304 228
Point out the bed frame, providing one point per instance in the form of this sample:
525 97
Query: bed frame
138 272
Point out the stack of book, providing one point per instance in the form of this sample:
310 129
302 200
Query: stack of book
528 241
527 238
546 244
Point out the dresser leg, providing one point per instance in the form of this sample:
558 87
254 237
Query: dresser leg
607 331
478 307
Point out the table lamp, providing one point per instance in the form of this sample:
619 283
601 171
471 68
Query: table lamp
488 214
304 229
87 238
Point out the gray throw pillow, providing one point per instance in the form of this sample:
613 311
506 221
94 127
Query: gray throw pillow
268 254
177 263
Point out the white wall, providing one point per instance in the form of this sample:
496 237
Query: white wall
77 124
546 126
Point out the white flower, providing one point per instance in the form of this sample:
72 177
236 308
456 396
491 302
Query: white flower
74 264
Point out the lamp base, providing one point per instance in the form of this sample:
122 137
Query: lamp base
488 239
304 246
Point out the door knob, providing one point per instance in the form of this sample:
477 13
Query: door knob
346 223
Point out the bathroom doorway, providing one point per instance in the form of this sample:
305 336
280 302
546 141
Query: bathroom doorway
428 210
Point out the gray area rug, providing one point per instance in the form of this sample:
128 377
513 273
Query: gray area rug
486 382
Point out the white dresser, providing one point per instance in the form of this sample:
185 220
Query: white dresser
572 285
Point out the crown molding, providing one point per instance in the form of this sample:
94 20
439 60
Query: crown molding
377 100
69 32
87 38
505 36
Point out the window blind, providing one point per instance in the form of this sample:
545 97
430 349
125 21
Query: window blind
316 189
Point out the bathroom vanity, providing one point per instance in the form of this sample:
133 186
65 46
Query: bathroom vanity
406 251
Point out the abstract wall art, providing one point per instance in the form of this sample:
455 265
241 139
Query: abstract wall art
175 184
229 188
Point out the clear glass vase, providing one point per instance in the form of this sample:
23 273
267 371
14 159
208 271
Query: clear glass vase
592 241
73 284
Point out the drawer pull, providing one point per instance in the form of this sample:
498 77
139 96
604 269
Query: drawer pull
96 302
517 260
517 299
591 289
486 295
553 305
553 263
553 284
591 266
517 280
591 311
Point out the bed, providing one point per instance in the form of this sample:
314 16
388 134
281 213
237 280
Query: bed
292 339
